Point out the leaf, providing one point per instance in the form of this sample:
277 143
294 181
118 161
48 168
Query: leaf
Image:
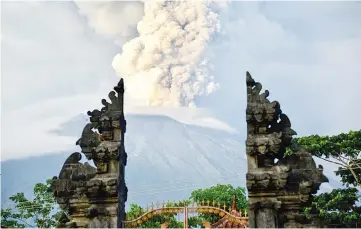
38 210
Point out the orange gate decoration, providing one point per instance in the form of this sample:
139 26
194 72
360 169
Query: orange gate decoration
236 218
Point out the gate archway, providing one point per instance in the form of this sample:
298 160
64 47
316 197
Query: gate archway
229 217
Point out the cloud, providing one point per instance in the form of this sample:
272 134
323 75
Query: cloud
191 116
51 66
36 132
49 53
113 19
55 66
27 131
165 64
315 81
316 21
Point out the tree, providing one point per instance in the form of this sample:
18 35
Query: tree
343 150
42 210
338 208
222 194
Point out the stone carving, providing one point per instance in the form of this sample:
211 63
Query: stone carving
95 196
265 179
70 188
278 186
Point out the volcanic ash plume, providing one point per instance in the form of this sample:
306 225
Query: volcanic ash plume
113 19
165 64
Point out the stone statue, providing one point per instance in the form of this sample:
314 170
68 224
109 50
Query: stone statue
279 186
95 196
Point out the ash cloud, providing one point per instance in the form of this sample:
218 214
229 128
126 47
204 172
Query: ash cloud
113 19
165 65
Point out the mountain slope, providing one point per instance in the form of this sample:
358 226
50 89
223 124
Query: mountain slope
169 152
166 160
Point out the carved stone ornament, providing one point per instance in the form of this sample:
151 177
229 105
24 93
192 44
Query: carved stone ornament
95 196
279 186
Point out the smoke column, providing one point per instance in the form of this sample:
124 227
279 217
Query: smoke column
112 19
165 65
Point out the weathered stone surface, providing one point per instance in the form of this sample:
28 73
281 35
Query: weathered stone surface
279 190
95 197
266 179
70 190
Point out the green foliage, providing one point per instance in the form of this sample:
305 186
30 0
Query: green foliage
337 208
42 210
331 146
155 221
351 177
223 194
195 222
343 149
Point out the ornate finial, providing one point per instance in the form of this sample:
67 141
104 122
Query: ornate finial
219 204
245 213
179 203
250 81
240 212
224 206
163 203
229 209
214 203
208 202
152 206
157 204
173 203
147 208
120 87
234 205
203 202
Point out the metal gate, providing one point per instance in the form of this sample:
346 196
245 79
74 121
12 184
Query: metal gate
204 207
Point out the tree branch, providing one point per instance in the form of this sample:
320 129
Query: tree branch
23 222
340 159
349 167
331 161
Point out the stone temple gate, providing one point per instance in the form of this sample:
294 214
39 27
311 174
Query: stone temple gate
95 197
279 185
277 191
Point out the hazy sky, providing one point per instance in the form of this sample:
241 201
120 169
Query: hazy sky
56 63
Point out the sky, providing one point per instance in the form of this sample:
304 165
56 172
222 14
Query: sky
56 62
